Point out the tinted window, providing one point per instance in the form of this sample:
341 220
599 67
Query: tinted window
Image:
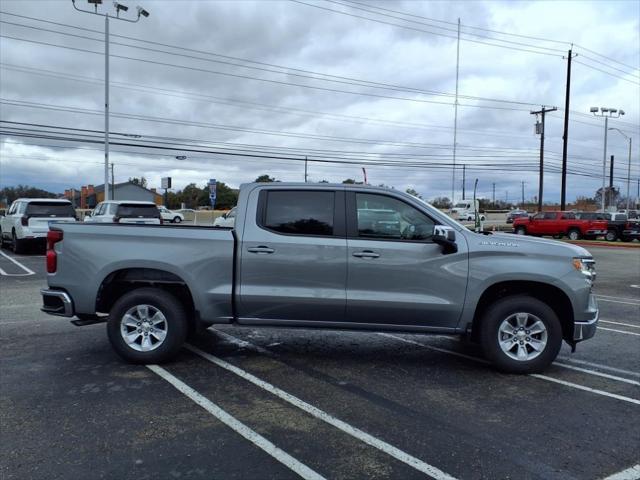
549 216
300 213
538 216
50 209
568 216
385 217
129 210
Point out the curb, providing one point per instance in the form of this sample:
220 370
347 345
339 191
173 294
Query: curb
602 245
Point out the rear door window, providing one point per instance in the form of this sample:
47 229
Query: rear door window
50 209
549 216
300 212
133 210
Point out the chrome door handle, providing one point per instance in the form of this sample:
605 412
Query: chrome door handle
366 254
261 249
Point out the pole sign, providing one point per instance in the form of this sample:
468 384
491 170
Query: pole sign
212 192
166 182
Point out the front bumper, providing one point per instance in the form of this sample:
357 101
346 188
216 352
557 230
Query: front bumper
586 328
57 302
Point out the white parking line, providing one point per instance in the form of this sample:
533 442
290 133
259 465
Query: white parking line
619 331
600 366
325 417
618 298
598 374
632 473
620 323
237 426
536 375
2 272
621 300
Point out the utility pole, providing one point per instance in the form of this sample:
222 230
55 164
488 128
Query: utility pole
493 198
119 7
611 198
305 169
540 130
565 135
113 185
455 119
522 204
463 179
628 164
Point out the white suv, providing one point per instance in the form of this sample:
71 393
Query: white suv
28 220
124 211
170 216
226 220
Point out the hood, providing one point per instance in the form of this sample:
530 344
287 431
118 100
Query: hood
535 245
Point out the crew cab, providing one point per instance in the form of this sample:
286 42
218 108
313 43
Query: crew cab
28 220
125 211
618 225
324 256
559 224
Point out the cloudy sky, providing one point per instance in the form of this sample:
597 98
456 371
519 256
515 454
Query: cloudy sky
347 83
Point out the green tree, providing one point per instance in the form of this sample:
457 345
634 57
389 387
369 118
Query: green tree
139 181
441 202
265 179
411 191
226 196
349 181
189 195
24 191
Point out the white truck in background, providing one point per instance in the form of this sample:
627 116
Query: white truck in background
465 210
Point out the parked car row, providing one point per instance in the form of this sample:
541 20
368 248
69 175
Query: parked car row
578 225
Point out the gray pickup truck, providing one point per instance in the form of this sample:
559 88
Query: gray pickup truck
324 256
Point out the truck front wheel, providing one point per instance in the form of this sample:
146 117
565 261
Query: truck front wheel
147 325
521 231
520 334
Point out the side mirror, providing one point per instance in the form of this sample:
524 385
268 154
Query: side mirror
445 237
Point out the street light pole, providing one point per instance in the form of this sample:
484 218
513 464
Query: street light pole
607 113
119 7
628 164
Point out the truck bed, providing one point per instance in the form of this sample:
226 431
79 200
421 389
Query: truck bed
201 257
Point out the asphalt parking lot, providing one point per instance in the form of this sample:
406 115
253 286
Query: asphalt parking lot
242 403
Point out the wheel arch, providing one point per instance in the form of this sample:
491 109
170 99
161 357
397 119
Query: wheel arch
124 280
545 292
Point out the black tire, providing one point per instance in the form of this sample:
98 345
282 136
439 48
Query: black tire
17 245
574 234
501 310
177 219
521 231
176 325
611 236
626 239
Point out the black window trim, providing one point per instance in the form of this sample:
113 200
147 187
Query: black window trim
339 228
352 218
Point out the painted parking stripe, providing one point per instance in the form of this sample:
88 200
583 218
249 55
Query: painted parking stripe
536 375
620 323
355 432
27 270
619 331
600 366
632 473
598 374
621 300
627 299
237 426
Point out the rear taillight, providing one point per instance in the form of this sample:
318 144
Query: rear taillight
25 221
53 237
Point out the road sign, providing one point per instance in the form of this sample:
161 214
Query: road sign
212 192
166 182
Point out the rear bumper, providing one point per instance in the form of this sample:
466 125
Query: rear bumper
586 327
57 302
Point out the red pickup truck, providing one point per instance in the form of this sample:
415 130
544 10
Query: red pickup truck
558 224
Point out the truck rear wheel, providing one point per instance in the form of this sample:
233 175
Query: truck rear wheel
520 334
611 236
574 234
147 325
521 231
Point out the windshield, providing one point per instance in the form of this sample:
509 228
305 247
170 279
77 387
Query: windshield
462 205
128 210
50 209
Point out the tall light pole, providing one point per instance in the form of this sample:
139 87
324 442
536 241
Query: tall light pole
628 165
119 8
607 113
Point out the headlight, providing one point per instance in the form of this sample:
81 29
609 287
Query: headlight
586 266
